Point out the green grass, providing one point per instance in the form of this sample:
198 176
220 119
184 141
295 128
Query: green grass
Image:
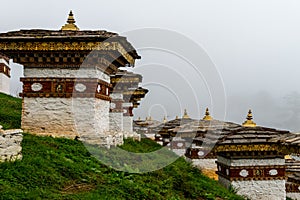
58 168
10 111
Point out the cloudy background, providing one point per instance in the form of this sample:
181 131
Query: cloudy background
254 45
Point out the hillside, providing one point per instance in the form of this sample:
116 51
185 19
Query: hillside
57 168
10 111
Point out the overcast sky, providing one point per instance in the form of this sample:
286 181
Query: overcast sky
253 44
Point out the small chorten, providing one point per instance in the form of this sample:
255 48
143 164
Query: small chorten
165 120
146 119
70 26
249 122
177 117
185 115
207 115
150 118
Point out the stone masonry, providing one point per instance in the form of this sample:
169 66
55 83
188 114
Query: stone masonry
10 145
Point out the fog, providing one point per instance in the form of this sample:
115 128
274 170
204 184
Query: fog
253 46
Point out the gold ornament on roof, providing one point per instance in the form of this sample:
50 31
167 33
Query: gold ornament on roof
70 26
185 115
177 117
207 115
249 122
165 119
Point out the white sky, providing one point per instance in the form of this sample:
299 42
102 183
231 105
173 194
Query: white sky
254 44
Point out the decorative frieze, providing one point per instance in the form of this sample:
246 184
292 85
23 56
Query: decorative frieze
66 88
251 172
292 188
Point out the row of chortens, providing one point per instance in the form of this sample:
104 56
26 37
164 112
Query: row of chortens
74 86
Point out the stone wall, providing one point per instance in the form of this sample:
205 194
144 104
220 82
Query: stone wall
66 117
48 116
294 196
262 189
128 123
10 145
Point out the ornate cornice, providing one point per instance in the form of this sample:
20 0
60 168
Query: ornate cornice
65 46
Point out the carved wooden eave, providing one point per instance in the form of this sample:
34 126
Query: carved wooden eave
125 82
46 48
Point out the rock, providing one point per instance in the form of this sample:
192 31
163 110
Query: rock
10 145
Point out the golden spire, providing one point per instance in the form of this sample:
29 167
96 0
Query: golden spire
165 120
185 115
249 122
150 118
146 119
177 117
70 26
207 116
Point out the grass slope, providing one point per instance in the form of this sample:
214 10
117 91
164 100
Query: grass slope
58 168
10 111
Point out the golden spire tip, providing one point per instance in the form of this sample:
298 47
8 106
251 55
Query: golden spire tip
249 122
207 115
165 119
70 25
185 115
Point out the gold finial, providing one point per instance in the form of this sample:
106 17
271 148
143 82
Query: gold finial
249 122
177 117
139 119
70 26
150 118
207 115
146 119
165 119
185 115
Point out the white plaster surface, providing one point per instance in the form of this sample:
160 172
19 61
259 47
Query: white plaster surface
118 96
264 189
251 162
294 196
127 105
205 163
4 84
116 121
65 117
128 123
254 190
66 73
